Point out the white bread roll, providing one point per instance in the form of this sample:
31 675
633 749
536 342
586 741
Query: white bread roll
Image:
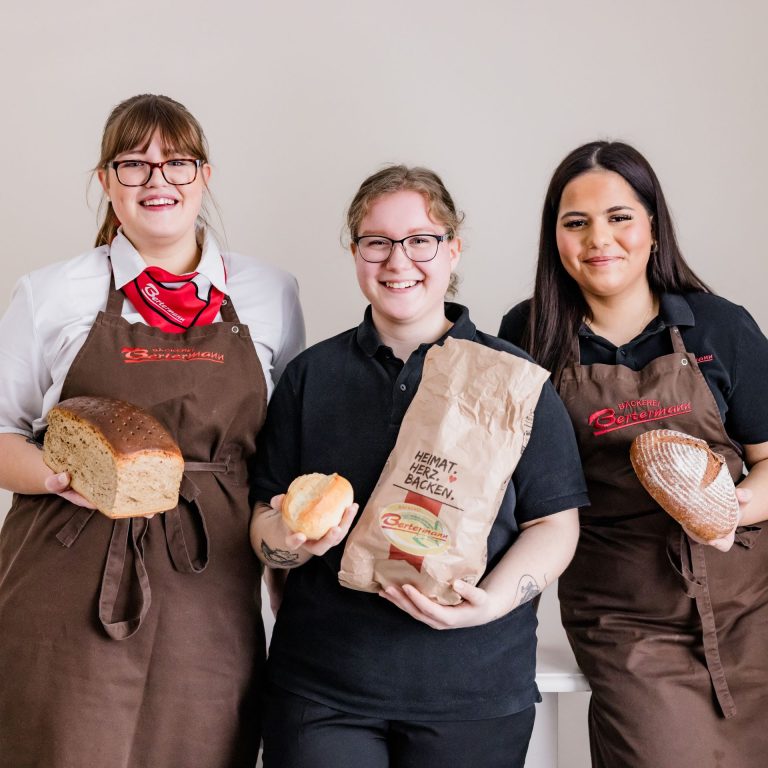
314 503
119 456
688 480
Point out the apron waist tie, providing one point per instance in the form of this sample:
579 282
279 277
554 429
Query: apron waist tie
128 535
687 558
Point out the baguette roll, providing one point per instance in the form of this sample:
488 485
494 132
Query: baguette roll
315 503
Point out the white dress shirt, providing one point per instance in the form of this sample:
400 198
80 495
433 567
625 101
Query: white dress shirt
52 311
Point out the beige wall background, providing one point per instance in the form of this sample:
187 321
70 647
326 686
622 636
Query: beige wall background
302 100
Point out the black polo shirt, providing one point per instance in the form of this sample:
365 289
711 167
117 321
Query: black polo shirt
730 349
338 408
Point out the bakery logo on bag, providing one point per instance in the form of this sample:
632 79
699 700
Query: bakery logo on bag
413 529
161 354
632 412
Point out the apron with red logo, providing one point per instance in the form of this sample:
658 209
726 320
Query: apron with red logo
672 635
138 642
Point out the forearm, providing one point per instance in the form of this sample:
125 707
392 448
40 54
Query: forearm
756 511
268 534
22 469
539 555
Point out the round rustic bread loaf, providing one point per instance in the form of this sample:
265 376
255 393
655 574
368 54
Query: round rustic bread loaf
314 503
688 480
118 456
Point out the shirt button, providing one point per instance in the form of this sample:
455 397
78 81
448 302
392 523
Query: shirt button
403 387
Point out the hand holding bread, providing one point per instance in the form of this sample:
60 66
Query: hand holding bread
315 503
688 480
118 456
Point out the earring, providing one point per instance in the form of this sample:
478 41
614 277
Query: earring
655 247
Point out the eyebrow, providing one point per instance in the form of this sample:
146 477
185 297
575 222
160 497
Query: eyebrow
612 209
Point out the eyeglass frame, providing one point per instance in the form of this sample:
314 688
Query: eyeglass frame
115 164
444 238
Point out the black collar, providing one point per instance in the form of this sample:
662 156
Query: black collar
463 328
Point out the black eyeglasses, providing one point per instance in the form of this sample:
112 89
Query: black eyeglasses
377 248
136 173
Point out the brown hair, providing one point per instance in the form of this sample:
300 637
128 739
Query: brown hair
131 125
396 178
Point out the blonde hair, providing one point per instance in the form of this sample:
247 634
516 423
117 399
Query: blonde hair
131 125
396 178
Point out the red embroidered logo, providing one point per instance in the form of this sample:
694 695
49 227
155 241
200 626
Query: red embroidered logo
160 354
633 412
705 359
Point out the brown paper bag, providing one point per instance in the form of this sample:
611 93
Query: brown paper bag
429 516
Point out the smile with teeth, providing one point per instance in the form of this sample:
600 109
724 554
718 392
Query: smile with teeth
155 201
401 284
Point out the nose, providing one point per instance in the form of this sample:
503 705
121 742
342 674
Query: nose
599 235
398 258
153 179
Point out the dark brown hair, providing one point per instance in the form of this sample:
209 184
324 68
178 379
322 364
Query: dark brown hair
557 305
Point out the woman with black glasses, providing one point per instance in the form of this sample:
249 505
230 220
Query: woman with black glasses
138 642
395 679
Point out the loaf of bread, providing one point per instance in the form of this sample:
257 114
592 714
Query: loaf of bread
314 503
688 480
118 456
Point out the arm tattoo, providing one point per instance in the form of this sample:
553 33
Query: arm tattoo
527 589
34 442
282 558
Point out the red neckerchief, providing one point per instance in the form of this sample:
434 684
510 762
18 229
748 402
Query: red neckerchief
171 302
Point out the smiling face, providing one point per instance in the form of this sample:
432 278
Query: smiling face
406 295
157 215
604 236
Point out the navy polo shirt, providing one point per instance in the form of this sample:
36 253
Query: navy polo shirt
730 348
338 408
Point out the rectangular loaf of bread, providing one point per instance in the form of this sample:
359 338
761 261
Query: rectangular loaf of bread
119 456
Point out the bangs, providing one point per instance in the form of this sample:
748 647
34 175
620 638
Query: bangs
133 129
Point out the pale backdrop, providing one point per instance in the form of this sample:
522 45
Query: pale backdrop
301 100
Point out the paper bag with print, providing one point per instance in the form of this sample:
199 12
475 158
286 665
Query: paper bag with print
429 516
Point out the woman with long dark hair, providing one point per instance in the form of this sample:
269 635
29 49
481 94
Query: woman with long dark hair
669 630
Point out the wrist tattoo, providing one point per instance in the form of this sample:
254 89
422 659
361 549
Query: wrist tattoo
527 589
282 558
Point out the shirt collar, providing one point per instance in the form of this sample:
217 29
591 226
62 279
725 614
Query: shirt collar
127 263
463 328
674 309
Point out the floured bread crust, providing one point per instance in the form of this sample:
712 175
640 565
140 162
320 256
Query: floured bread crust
688 480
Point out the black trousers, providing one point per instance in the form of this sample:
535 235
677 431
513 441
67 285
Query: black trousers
299 733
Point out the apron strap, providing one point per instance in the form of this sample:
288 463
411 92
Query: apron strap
125 534
174 532
128 533
67 536
688 560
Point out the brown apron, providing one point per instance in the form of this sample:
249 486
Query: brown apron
138 643
672 635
